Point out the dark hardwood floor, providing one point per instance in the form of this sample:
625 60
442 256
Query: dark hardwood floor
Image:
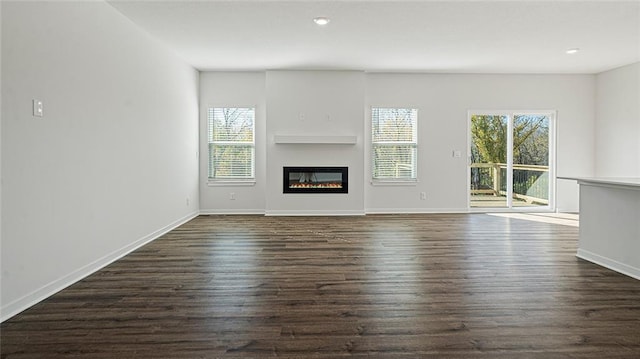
380 286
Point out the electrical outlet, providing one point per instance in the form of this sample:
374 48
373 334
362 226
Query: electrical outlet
38 108
423 195
187 201
232 196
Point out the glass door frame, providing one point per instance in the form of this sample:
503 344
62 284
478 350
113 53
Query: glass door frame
511 114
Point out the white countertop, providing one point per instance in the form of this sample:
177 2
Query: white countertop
615 181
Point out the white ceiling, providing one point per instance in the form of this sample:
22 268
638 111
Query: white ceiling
396 36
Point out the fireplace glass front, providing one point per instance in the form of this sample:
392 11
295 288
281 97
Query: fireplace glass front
315 180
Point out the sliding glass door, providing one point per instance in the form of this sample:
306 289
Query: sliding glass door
511 160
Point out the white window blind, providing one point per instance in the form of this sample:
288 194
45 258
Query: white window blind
231 138
395 143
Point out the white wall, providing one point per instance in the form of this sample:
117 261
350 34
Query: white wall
233 89
112 162
325 103
609 228
443 101
0 146
617 131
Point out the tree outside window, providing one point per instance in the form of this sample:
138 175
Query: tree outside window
395 144
231 139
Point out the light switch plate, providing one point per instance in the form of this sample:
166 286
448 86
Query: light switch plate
38 108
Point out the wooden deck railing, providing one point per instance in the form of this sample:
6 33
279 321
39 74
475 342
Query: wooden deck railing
530 182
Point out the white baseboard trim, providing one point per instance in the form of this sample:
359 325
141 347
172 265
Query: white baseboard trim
231 211
289 212
414 210
331 212
612 264
9 310
567 210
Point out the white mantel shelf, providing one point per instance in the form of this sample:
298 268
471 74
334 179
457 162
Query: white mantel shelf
312 139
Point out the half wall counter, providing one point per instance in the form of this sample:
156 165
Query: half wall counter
610 222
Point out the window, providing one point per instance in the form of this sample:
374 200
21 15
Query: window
395 143
511 159
231 143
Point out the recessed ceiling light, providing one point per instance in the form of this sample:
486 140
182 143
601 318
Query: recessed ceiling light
573 50
321 20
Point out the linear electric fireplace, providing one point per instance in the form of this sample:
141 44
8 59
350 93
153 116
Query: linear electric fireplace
316 180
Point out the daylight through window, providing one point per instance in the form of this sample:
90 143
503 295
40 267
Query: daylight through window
231 143
395 144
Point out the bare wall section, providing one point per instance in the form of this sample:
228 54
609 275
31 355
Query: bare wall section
233 89
111 164
338 103
323 104
617 134
443 102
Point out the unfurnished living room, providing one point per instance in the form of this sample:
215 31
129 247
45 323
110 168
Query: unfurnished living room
320 179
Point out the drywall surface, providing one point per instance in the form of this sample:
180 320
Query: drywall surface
609 228
443 102
233 89
617 130
0 134
111 164
318 103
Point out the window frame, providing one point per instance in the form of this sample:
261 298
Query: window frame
378 144
230 181
552 115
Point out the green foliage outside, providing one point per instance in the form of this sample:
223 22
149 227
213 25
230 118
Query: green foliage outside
530 139
394 143
231 145
530 148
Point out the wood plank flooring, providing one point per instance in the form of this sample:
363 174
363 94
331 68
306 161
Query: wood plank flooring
377 286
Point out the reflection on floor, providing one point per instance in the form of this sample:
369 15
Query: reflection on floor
567 219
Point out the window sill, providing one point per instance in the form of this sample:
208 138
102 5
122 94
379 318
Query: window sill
394 182
221 183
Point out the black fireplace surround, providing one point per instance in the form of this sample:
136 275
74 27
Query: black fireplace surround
315 180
